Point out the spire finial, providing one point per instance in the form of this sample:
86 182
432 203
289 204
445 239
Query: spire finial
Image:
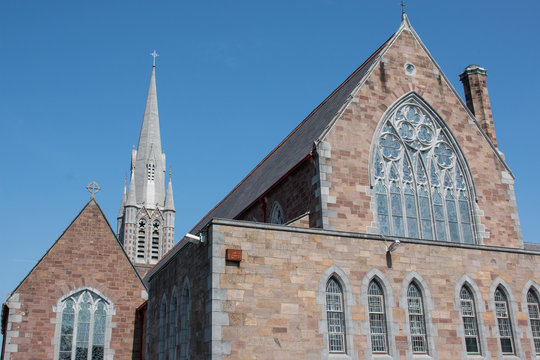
93 188
402 8
170 172
154 54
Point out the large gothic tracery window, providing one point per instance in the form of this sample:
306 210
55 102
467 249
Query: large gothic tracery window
419 178
83 326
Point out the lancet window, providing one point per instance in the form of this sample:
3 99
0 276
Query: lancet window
83 327
417 319
162 343
506 335
534 316
420 179
141 239
377 318
173 319
185 322
335 317
151 171
277 215
470 323
155 240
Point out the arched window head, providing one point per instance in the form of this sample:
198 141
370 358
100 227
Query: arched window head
277 215
377 318
141 239
185 322
155 240
502 312
162 344
470 323
335 317
151 171
420 178
83 326
533 305
173 319
417 319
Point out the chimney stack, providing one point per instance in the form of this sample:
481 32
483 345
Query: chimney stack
477 97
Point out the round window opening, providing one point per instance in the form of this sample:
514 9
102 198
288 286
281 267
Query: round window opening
410 69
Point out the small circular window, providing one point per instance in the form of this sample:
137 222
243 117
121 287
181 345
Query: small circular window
410 69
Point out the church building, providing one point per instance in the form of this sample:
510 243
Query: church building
384 226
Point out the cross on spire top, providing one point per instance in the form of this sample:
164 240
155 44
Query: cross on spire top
154 54
402 7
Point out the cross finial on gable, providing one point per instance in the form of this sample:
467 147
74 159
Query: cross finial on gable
154 54
93 188
402 7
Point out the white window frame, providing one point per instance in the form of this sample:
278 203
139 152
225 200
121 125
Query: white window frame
109 312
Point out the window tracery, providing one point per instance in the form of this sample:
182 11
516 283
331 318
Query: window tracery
470 323
377 318
335 316
83 326
506 335
533 305
417 320
420 184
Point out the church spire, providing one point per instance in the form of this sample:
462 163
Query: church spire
169 200
131 199
124 199
149 160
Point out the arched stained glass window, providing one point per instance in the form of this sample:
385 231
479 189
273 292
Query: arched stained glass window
534 316
83 327
335 317
502 312
377 318
173 319
470 324
419 178
277 215
417 320
185 322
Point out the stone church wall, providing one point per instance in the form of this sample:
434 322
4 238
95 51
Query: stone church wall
274 298
349 143
86 256
191 264
295 193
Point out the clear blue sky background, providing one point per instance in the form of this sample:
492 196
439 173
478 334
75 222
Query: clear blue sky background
233 79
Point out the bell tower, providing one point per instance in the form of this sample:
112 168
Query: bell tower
146 217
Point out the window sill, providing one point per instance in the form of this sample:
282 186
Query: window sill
339 357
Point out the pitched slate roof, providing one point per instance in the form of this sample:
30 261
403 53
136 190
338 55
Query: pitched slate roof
299 143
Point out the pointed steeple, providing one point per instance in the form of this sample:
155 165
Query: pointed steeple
124 199
131 199
149 160
150 127
169 200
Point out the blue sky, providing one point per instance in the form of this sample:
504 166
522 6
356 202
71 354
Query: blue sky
233 79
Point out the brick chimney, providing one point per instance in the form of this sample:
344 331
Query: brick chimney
477 97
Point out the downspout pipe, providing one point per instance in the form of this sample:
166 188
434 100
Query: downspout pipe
5 317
